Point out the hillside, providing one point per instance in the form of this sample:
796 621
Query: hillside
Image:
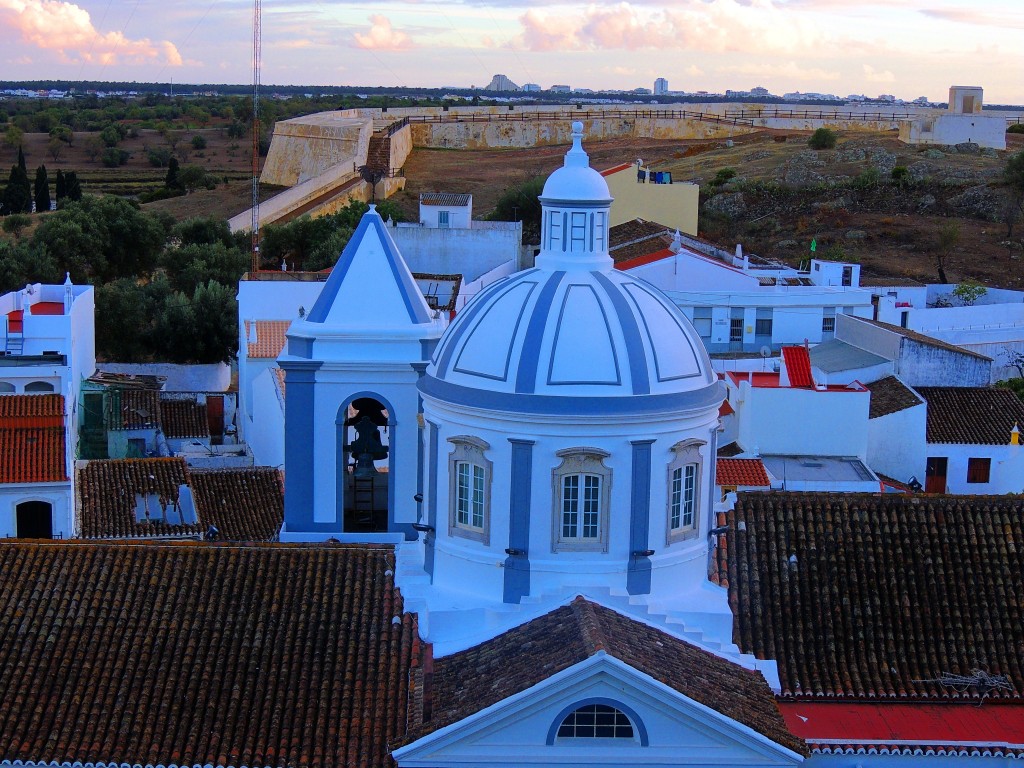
784 195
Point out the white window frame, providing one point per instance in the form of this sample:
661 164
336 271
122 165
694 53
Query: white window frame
468 452
580 463
687 458
577 232
444 219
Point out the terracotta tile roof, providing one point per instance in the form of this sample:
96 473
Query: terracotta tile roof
243 504
923 339
195 654
21 410
971 415
270 338
798 366
180 418
633 239
133 408
445 198
865 595
729 450
466 682
32 440
890 395
741 472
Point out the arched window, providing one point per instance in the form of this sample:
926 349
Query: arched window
469 489
684 486
598 718
39 386
6 387
596 721
582 487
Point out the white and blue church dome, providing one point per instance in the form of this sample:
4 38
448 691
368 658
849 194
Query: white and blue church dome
572 327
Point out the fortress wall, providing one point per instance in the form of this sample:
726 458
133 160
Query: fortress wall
306 147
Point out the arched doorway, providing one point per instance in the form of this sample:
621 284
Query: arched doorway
35 520
366 431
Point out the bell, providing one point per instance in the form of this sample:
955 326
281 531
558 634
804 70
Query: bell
364 467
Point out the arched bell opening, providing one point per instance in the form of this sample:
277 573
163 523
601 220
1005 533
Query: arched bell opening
34 520
366 442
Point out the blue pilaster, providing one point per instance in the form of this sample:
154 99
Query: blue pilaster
517 564
430 537
638 575
299 501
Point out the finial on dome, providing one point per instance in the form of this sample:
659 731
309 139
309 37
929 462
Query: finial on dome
576 157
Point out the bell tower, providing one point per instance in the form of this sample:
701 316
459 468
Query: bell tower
351 367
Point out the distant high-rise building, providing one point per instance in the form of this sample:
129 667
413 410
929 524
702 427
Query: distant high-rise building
560 89
501 83
531 87
660 86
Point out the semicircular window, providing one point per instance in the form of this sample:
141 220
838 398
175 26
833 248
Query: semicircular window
596 721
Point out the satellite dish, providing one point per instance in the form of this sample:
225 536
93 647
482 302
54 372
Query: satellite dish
766 352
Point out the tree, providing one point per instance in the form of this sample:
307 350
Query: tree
215 318
203 231
969 291
41 190
115 157
192 177
198 141
171 179
17 196
521 203
55 147
191 266
14 137
949 237
93 147
74 188
1013 176
15 223
60 186
63 133
111 135
823 138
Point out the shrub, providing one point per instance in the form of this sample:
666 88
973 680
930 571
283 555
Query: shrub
159 157
823 138
900 175
15 222
724 176
114 157
1016 128
198 142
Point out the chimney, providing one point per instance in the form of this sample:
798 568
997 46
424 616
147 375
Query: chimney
1015 435
69 293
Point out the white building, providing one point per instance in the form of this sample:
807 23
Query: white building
742 303
963 122
660 86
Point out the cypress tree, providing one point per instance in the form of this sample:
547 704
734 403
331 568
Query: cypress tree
21 160
17 197
42 190
61 190
73 187
171 180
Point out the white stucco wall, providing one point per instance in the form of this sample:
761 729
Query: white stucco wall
1007 468
896 444
951 128
264 430
59 495
469 252
782 420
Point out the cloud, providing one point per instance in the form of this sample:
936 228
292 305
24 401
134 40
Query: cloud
789 70
980 18
741 26
66 28
382 37
872 75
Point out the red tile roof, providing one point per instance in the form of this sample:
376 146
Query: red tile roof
471 680
183 418
243 504
741 472
133 408
270 338
971 415
866 724
798 366
890 395
32 441
878 595
196 654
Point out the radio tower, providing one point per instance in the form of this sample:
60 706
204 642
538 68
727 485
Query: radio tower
256 35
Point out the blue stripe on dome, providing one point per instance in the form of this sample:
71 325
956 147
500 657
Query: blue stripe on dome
631 331
676 316
529 355
705 398
465 320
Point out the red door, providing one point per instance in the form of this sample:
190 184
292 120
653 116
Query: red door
935 474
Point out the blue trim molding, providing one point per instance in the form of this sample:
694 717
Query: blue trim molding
639 729
631 331
709 396
638 574
529 355
300 427
517 566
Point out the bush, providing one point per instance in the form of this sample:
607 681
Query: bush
900 175
198 142
114 157
724 176
1016 128
159 157
14 223
823 138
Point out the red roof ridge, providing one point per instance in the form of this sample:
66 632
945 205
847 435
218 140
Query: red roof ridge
798 366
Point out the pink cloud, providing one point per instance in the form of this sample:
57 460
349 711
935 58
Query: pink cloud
382 36
66 28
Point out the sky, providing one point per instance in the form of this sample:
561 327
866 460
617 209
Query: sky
908 48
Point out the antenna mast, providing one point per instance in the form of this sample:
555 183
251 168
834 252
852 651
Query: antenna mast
256 55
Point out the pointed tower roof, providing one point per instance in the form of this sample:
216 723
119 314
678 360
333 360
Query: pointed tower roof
371 286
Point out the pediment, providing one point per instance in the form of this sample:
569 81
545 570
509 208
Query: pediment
669 729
